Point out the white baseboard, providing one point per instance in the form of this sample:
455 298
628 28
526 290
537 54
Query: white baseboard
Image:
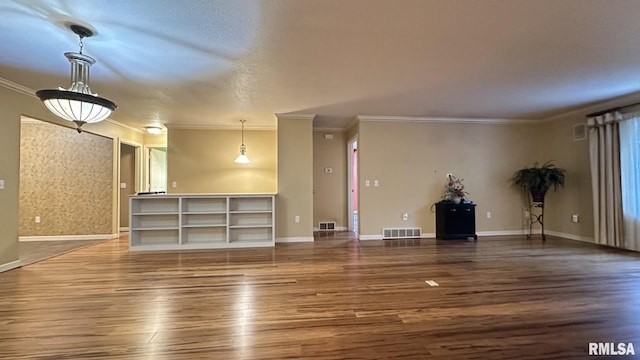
497 233
294 239
369 237
68 237
570 236
124 229
505 232
10 265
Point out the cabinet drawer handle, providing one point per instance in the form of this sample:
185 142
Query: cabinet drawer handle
452 210
467 209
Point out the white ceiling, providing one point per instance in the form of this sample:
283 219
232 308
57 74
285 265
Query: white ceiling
213 62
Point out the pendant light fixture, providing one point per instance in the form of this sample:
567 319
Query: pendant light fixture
242 158
77 103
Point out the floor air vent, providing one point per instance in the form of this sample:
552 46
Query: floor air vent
327 226
401 233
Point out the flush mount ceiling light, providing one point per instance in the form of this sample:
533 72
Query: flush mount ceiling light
153 130
77 103
242 158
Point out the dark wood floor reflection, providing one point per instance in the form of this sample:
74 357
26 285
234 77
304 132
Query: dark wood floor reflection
337 298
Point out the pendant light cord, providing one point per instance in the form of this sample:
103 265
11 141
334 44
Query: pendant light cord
242 134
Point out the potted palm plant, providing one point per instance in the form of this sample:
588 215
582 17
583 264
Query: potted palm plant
537 180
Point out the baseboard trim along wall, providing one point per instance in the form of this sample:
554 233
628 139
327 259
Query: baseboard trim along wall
570 236
497 233
68 237
293 239
505 232
10 265
124 229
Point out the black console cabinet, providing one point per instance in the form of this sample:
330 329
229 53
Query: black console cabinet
455 221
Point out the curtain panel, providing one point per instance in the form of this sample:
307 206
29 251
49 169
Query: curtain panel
604 153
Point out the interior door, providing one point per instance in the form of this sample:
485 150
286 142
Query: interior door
158 169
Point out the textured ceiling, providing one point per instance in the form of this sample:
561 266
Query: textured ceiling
211 63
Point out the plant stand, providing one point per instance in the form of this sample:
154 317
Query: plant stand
536 215
536 211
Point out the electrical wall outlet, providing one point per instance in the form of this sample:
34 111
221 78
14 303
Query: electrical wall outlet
1 184
405 216
488 214
575 218
37 219
297 218
174 184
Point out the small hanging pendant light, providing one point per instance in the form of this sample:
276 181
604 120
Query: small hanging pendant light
242 158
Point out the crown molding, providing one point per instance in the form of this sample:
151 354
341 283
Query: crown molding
453 120
17 87
29 120
354 121
217 127
295 116
583 111
128 127
332 129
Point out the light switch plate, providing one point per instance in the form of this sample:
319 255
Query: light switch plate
123 185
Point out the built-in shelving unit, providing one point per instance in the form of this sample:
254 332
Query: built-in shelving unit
168 222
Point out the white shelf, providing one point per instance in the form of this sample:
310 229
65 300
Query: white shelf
173 222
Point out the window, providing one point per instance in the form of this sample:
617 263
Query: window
630 174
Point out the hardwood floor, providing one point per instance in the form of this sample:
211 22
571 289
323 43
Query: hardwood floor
34 251
337 298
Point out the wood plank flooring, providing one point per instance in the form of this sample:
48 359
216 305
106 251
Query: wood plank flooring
337 298
34 251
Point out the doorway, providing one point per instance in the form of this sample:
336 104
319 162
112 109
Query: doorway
156 167
352 161
66 189
128 183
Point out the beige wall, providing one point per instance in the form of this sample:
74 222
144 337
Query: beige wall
576 197
66 180
201 161
410 160
12 104
330 189
295 179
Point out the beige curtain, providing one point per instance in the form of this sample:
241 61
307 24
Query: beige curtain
604 151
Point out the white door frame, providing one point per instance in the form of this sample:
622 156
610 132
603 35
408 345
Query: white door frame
145 165
138 170
352 144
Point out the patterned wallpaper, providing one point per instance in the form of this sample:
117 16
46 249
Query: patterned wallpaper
66 180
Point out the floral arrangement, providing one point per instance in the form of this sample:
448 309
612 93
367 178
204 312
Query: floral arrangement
454 189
